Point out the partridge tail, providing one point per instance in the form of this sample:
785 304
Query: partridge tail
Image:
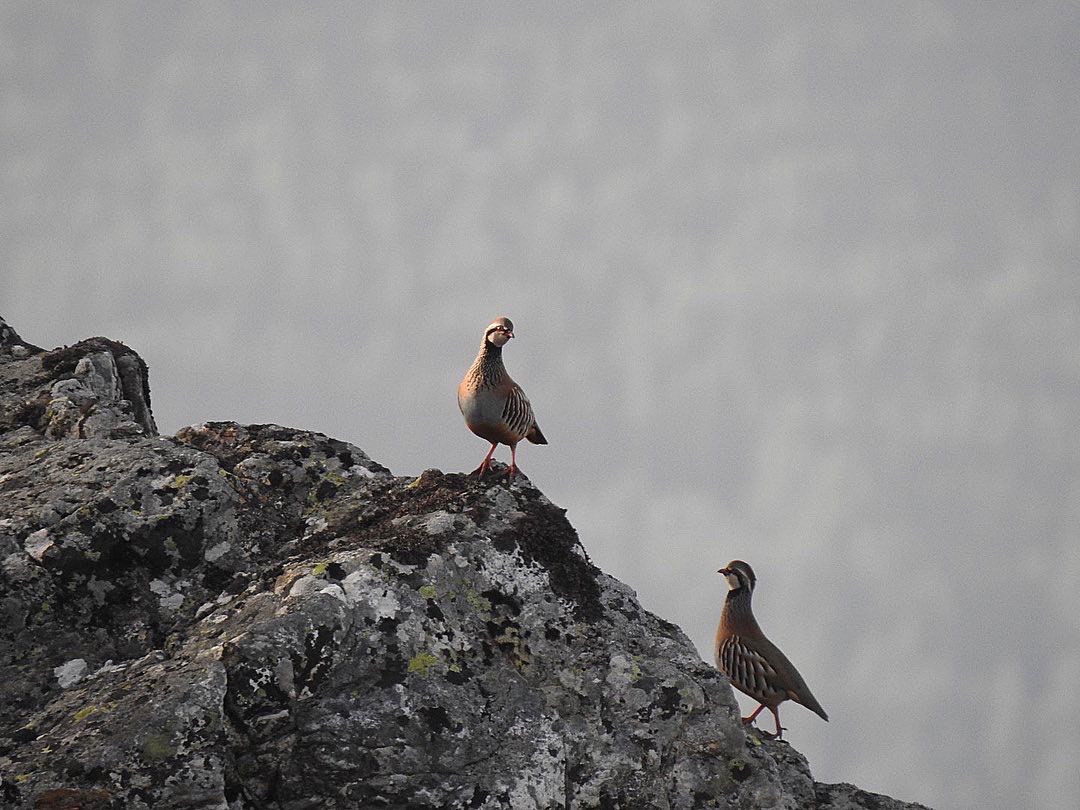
535 436
810 702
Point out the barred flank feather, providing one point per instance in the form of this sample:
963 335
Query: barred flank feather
517 414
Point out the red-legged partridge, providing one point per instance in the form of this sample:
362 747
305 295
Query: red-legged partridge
494 406
753 664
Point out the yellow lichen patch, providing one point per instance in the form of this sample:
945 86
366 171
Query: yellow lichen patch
320 569
428 591
156 747
83 713
421 663
180 481
320 493
478 602
511 643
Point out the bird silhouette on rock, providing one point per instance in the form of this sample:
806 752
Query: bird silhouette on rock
753 664
494 406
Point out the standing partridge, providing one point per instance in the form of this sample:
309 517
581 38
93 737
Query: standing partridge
751 662
494 406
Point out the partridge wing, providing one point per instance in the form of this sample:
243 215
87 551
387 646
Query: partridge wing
749 670
517 412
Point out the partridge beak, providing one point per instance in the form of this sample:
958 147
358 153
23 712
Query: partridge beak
724 571
509 334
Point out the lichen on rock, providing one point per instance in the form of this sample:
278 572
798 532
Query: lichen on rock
258 616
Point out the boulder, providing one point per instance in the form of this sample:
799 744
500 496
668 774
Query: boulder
256 616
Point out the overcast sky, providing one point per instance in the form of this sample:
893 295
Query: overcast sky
795 283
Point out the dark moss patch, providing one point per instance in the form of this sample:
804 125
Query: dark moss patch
62 362
740 770
460 675
479 797
73 799
543 535
391 676
317 658
388 624
326 489
670 701
32 411
546 537
437 719
231 443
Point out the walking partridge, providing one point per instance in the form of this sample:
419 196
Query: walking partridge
751 662
494 406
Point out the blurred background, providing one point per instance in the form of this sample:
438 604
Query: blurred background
794 283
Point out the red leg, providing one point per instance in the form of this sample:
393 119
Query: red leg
748 720
483 468
779 728
513 461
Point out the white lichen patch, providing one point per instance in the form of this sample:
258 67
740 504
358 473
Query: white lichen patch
314 525
335 591
216 552
168 598
504 511
515 574
70 672
543 782
162 483
272 717
620 673
99 589
107 669
443 522
303 585
38 543
362 586
573 680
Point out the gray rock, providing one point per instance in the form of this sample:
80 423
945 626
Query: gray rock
10 340
257 616
96 388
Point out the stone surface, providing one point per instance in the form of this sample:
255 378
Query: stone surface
258 616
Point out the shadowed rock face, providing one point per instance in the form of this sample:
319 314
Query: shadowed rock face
257 616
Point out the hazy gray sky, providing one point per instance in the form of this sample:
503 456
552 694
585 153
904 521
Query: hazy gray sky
796 283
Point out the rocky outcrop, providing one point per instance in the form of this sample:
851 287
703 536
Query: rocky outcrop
263 617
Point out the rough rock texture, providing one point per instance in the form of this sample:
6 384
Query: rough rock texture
262 617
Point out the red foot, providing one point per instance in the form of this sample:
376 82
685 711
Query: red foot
485 464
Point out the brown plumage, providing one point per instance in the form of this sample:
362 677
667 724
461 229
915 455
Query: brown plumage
753 664
494 406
